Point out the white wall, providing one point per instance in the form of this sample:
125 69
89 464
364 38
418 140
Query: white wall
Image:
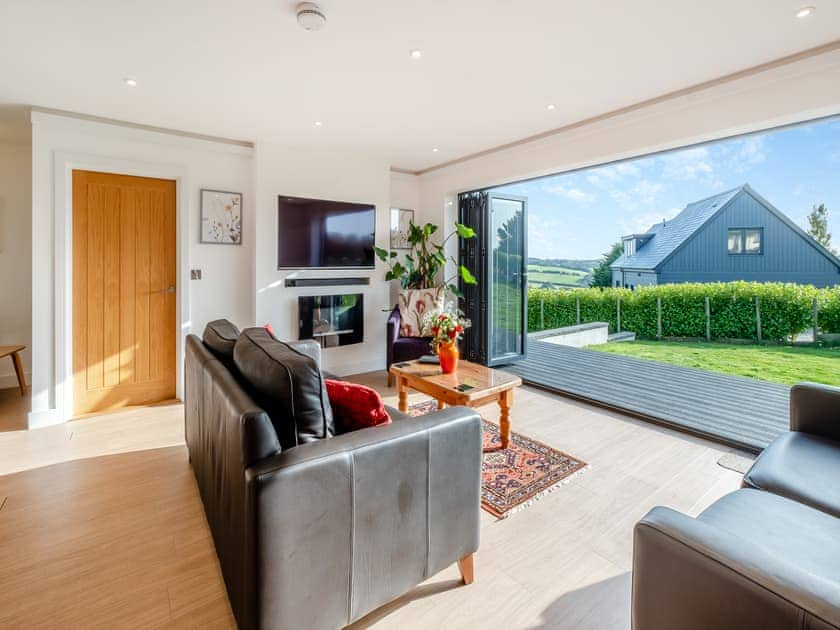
15 255
802 90
226 288
295 172
405 191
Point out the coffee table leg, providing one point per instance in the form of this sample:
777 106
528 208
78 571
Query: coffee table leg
505 403
403 394
441 404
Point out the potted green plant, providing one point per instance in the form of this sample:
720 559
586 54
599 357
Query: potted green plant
420 273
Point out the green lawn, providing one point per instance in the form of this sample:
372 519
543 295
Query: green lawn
778 364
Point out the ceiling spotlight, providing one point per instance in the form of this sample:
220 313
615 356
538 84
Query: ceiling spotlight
310 16
130 82
805 12
551 107
318 123
416 54
435 150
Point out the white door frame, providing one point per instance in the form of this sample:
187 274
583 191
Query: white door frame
64 165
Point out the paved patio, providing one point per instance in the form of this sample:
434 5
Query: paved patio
744 412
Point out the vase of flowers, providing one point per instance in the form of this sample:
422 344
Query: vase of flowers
447 330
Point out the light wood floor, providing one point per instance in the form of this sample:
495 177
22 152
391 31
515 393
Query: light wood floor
101 526
14 409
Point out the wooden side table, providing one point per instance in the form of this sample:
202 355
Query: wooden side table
14 352
471 385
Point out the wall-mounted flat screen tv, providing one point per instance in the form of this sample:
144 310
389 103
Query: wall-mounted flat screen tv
319 233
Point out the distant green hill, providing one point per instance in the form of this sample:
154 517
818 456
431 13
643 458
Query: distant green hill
582 265
559 273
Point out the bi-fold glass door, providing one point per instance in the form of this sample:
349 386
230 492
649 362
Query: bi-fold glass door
497 305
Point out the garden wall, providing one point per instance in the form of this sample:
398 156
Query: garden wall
733 310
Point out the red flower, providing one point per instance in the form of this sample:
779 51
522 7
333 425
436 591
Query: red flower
452 334
435 330
459 328
441 317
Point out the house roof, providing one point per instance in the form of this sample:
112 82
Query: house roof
669 235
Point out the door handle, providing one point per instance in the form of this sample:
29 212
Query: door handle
169 289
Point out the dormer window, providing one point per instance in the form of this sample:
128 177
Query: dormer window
745 241
629 246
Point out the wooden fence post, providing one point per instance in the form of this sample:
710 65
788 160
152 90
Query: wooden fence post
758 318
708 320
816 311
577 309
618 314
542 314
659 318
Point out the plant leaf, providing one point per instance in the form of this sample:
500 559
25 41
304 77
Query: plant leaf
466 276
464 231
381 254
456 291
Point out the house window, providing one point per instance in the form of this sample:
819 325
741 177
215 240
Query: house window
629 247
745 241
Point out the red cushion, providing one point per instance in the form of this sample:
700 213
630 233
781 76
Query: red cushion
269 329
355 406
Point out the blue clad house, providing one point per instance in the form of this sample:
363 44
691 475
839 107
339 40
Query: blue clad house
735 235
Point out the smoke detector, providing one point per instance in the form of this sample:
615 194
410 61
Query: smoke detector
310 16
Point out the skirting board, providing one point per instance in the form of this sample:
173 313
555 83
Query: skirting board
9 380
46 418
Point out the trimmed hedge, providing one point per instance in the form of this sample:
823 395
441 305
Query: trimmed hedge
786 309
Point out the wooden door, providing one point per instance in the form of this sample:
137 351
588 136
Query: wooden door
123 291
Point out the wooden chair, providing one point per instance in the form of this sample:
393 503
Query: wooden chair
14 352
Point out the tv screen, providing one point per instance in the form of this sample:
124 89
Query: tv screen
319 233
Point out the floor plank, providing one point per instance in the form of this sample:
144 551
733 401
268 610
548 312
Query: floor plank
103 526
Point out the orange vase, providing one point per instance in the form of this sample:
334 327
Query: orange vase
448 354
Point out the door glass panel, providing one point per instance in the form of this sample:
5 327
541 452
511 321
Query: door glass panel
507 292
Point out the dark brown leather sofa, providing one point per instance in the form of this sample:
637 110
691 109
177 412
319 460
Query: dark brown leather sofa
764 557
318 533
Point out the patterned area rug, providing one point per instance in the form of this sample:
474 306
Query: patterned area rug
515 477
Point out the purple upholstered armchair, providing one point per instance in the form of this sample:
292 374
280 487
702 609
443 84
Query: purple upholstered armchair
403 348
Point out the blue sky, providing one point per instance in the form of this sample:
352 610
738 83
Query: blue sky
579 215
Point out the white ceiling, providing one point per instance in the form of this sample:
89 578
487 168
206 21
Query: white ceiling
244 69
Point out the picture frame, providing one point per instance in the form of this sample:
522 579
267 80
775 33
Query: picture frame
400 220
221 217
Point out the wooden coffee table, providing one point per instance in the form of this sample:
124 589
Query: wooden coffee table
471 385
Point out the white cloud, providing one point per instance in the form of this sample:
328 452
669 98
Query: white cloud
687 164
647 191
644 221
569 192
593 179
627 168
614 172
749 152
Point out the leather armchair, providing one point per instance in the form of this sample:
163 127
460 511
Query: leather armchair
402 348
318 535
764 557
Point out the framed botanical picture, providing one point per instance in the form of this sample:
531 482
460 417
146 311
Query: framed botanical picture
400 220
221 217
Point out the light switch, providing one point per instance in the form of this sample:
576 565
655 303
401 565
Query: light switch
195 274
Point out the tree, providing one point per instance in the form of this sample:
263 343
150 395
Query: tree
602 274
818 226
